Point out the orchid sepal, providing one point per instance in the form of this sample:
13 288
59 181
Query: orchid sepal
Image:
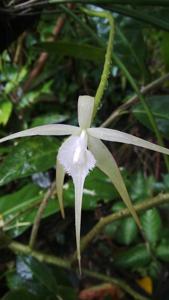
113 135
51 129
110 168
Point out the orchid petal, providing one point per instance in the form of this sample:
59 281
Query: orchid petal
85 111
122 137
60 175
51 129
77 161
78 183
106 163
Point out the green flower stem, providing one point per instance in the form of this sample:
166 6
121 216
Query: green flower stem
130 79
149 203
19 248
108 57
145 105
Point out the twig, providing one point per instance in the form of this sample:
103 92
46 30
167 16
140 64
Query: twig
50 259
133 100
18 52
116 281
155 201
54 260
39 65
43 56
39 214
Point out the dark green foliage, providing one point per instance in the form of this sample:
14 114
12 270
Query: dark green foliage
152 225
28 156
160 109
162 251
134 258
27 166
127 231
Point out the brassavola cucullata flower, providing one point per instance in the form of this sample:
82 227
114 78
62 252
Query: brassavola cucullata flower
84 150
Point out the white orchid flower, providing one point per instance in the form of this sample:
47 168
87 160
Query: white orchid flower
84 150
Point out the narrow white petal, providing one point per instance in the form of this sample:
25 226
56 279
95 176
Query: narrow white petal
77 162
85 111
51 129
78 183
60 175
122 137
106 163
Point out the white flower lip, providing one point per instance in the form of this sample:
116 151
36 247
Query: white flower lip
79 154
81 147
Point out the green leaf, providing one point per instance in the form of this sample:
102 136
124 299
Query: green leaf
165 48
5 111
128 35
20 294
13 75
158 19
73 49
162 251
135 257
24 201
160 109
142 187
49 119
64 291
33 96
110 229
97 187
127 231
15 206
14 202
43 274
165 182
152 226
23 278
28 156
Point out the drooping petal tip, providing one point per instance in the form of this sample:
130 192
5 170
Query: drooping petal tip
60 174
107 164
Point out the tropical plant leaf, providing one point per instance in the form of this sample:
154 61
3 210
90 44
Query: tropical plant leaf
20 294
160 109
162 251
135 257
5 111
127 231
73 49
159 20
152 225
28 156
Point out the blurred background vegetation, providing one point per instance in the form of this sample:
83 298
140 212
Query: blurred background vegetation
51 52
